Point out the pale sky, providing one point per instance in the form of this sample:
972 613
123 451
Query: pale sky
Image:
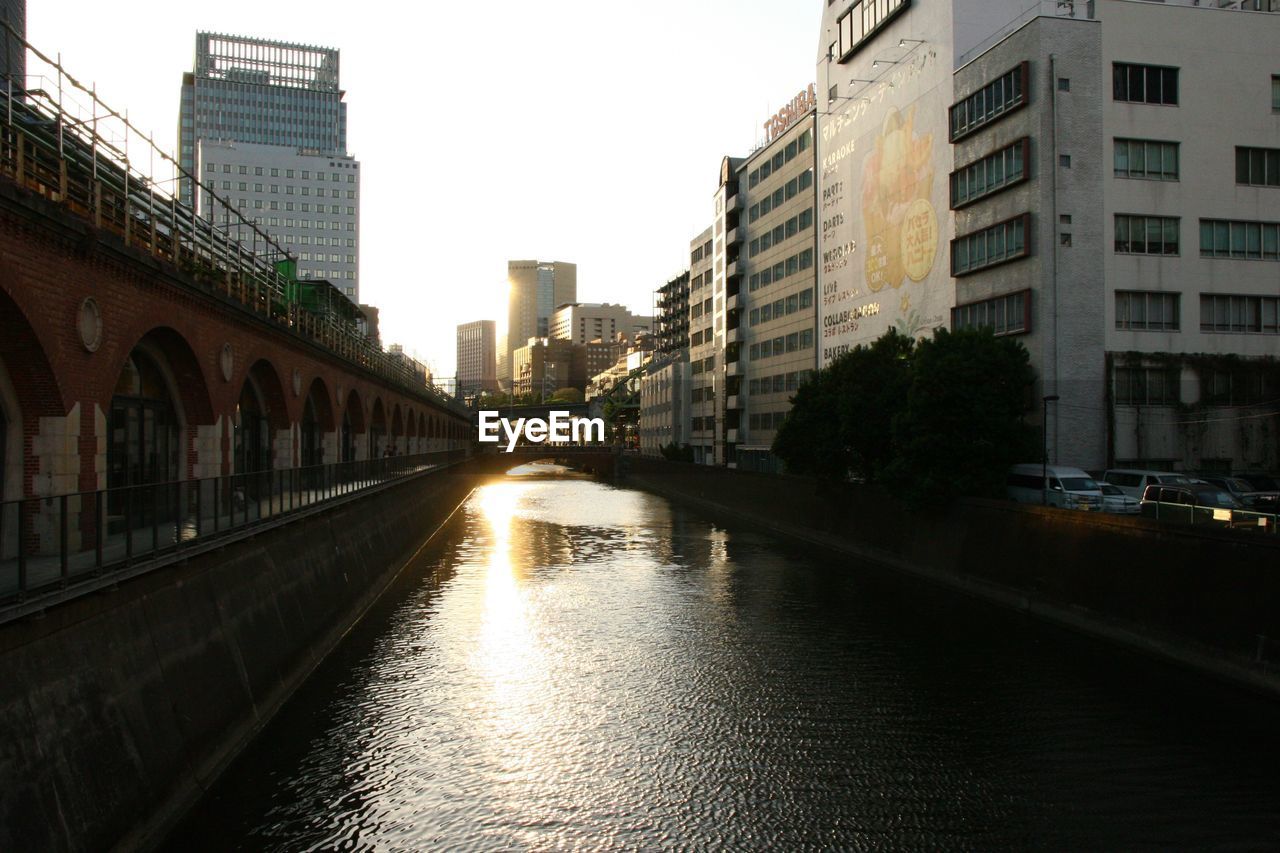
570 130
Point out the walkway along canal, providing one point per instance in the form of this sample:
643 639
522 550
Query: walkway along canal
571 664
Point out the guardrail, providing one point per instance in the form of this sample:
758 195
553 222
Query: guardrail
50 546
1206 516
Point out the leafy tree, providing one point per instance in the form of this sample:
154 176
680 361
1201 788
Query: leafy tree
962 426
677 452
810 439
566 395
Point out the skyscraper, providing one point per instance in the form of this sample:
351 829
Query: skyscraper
535 289
477 358
264 126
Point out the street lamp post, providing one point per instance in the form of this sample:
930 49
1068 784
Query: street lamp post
1044 430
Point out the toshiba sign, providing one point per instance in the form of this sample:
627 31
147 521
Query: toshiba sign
788 115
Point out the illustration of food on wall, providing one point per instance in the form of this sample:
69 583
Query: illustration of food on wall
897 183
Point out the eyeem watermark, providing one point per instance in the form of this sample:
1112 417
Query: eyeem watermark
562 428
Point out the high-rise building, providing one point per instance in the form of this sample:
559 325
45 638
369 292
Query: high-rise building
1095 179
263 125
477 358
582 322
535 288
545 365
705 351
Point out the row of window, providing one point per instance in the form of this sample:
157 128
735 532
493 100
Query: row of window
328 275
335 177
989 246
699 280
781 307
1162 386
993 101
700 308
766 420
1004 315
1219 238
794 264
698 395
698 366
1143 310
700 252
862 20
321 257
243 187
1144 84
793 148
793 226
992 173
778 383
784 193
1258 167
1146 235
304 240
782 344
1146 159
304 207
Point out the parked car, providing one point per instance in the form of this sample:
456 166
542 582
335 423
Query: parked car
1115 500
1054 485
1244 491
1190 504
1133 482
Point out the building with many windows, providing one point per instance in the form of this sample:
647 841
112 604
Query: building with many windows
770 289
263 125
534 289
477 358
582 322
309 203
705 351
1094 178
671 323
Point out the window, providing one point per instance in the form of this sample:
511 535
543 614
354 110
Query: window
1258 167
863 19
210 167
1147 310
1224 238
1247 314
1001 96
1003 315
1144 84
1146 235
1001 242
992 173
1275 92
1146 386
1145 158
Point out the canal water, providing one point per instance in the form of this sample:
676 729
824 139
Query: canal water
571 665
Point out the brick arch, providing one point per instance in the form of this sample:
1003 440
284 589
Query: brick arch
318 394
422 425
397 421
378 416
177 360
24 359
266 379
354 408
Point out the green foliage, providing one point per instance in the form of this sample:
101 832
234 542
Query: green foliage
566 395
962 426
677 453
934 420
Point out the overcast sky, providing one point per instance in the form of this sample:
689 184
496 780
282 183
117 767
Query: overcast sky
571 130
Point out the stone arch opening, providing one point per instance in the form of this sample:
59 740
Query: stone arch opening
29 391
317 420
352 426
396 444
377 430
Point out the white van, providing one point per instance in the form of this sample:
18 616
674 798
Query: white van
1133 482
1056 485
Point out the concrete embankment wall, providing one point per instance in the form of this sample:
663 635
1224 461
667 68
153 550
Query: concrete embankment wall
1205 598
119 709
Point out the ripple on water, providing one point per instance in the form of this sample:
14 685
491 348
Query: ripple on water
579 666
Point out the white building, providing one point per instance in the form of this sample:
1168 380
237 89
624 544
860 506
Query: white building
664 400
583 322
308 202
705 349
1100 179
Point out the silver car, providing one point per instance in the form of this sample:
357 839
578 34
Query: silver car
1115 500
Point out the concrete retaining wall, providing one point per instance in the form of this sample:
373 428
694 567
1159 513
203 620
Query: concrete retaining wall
119 709
1205 598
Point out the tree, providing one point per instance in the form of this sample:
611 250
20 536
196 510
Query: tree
933 420
962 426
841 421
566 395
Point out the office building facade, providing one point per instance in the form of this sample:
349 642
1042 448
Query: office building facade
275 109
705 351
535 288
477 358
582 322
1094 179
671 323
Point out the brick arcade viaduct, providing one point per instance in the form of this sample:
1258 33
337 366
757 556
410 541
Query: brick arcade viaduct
98 311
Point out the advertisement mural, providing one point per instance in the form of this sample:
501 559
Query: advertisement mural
885 162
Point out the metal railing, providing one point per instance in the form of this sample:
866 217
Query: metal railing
1207 516
60 141
52 544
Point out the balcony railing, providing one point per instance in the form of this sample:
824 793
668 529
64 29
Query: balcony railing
53 548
